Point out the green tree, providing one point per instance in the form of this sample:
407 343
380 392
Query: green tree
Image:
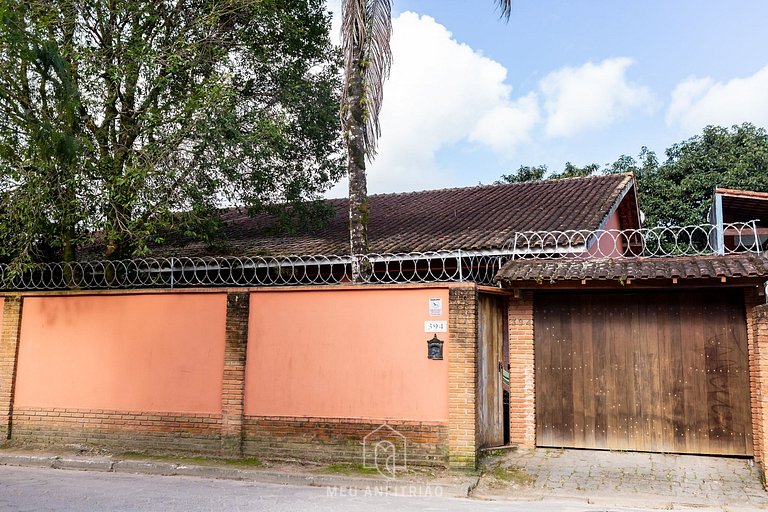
524 174
574 171
132 118
539 172
365 34
679 191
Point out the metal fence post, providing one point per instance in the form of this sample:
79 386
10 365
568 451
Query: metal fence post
461 269
757 236
719 218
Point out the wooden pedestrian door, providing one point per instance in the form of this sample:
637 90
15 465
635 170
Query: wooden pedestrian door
660 372
490 361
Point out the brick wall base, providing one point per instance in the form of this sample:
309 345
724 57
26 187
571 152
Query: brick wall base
339 440
276 438
118 430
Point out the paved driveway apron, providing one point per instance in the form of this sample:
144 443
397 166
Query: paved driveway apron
683 479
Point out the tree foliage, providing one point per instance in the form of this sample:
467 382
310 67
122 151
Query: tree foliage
524 174
135 117
539 172
678 191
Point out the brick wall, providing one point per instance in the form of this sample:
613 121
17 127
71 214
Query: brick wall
522 389
9 348
462 377
118 430
232 433
751 302
757 325
338 439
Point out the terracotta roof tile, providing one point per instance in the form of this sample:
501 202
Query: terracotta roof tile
472 218
691 267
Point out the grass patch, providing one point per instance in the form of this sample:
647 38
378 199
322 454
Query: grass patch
513 474
349 469
245 462
493 453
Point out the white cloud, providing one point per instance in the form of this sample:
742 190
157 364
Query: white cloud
507 124
444 94
697 102
591 96
441 92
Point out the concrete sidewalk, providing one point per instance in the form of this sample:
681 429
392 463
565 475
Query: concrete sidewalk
610 479
623 478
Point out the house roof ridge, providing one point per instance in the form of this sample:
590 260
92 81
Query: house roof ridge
626 176
735 192
479 217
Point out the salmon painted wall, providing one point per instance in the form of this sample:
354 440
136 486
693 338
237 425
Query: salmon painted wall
345 354
153 352
610 244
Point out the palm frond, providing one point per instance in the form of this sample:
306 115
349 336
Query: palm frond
365 34
506 8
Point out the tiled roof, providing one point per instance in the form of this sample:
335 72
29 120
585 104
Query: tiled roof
473 218
690 267
744 206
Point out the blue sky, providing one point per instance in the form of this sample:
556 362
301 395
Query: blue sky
472 97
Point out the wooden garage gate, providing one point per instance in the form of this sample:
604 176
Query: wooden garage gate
660 372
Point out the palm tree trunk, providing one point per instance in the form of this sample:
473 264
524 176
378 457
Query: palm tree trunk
355 143
365 33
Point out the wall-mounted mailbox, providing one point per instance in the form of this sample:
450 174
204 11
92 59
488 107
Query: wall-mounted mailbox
435 348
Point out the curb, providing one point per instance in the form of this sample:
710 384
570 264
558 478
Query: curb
147 467
105 465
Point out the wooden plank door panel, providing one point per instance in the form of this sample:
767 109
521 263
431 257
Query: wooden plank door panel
490 390
662 372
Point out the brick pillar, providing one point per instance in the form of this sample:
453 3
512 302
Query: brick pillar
757 341
522 389
234 373
750 301
9 351
462 376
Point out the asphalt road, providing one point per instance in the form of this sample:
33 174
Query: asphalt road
38 490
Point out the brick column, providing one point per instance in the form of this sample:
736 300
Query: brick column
757 343
9 350
234 373
750 301
462 376
522 389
